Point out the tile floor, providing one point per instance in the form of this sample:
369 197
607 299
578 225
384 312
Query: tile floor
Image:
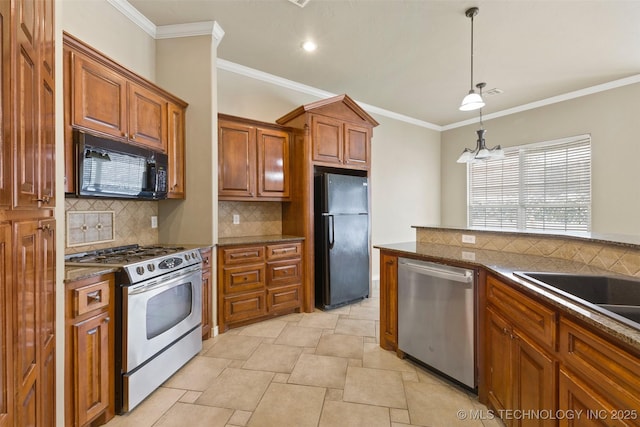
312 369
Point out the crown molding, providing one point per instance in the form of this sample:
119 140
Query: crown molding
223 64
548 101
204 28
135 16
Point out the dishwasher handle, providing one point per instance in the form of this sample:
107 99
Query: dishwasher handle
466 276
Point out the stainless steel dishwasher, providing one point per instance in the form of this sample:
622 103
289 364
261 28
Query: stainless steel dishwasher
436 317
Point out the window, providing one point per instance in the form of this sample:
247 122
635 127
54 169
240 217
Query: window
543 186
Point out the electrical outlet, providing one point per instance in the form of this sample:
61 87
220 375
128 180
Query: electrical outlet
154 221
469 238
236 219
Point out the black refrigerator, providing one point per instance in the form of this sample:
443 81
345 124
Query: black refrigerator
341 239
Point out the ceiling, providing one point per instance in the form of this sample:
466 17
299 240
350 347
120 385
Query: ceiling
412 57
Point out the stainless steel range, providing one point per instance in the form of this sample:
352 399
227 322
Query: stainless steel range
158 314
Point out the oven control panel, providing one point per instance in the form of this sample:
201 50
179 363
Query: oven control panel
158 266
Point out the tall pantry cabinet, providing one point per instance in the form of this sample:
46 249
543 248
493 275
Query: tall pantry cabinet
27 224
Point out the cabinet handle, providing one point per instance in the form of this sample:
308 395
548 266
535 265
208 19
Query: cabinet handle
93 297
107 320
92 331
44 199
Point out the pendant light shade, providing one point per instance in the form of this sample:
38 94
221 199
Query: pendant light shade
481 151
472 101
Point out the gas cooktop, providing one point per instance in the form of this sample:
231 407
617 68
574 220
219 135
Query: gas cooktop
138 262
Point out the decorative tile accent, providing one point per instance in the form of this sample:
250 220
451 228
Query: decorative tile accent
623 259
132 223
86 227
256 219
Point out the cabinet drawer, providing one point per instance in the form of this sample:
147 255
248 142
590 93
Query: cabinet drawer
285 250
533 318
245 306
606 366
243 255
90 297
284 297
242 279
284 272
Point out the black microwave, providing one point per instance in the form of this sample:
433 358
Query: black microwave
115 169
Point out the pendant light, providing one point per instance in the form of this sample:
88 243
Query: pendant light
472 101
481 151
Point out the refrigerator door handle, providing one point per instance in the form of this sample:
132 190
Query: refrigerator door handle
331 232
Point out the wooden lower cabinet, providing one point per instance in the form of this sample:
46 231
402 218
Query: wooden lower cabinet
89 352
388 301
598 377
207 296
520 374
258 281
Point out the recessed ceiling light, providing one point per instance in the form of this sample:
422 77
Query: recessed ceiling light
309 46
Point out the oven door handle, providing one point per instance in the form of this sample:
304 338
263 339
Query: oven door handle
164 281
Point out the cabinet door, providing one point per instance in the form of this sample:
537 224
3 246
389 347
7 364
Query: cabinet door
6 329
5 105
147 118
25 322
534 380
91 343
47 310
176 152
576 397
99 99
26 173
236 160
357 146
273 163
47 104
388 301
328 141
498 362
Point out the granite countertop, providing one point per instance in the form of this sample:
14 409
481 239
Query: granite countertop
250 240
71 274
504 264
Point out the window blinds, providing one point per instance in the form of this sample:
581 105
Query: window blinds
544 186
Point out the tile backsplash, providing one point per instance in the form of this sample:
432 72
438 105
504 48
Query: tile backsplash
131 225
256 219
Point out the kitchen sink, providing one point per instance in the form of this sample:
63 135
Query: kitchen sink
607 294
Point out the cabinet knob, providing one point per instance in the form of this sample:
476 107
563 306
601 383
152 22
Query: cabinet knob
107 320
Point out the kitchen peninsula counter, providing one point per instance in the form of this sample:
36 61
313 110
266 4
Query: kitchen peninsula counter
503 264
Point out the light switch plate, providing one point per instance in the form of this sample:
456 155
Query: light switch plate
154 221
236 219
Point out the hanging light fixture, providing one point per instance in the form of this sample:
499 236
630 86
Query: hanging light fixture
472 101
481 151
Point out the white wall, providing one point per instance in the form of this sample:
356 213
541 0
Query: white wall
102 26
185 67
611 117
405 173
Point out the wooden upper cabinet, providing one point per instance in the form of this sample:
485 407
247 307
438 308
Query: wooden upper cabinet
5 105
357 146
99 97
253 160
108 98
176 151
273 163
147 118
236 160
328 141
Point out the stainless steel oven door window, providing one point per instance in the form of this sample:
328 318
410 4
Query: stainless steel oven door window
160 311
